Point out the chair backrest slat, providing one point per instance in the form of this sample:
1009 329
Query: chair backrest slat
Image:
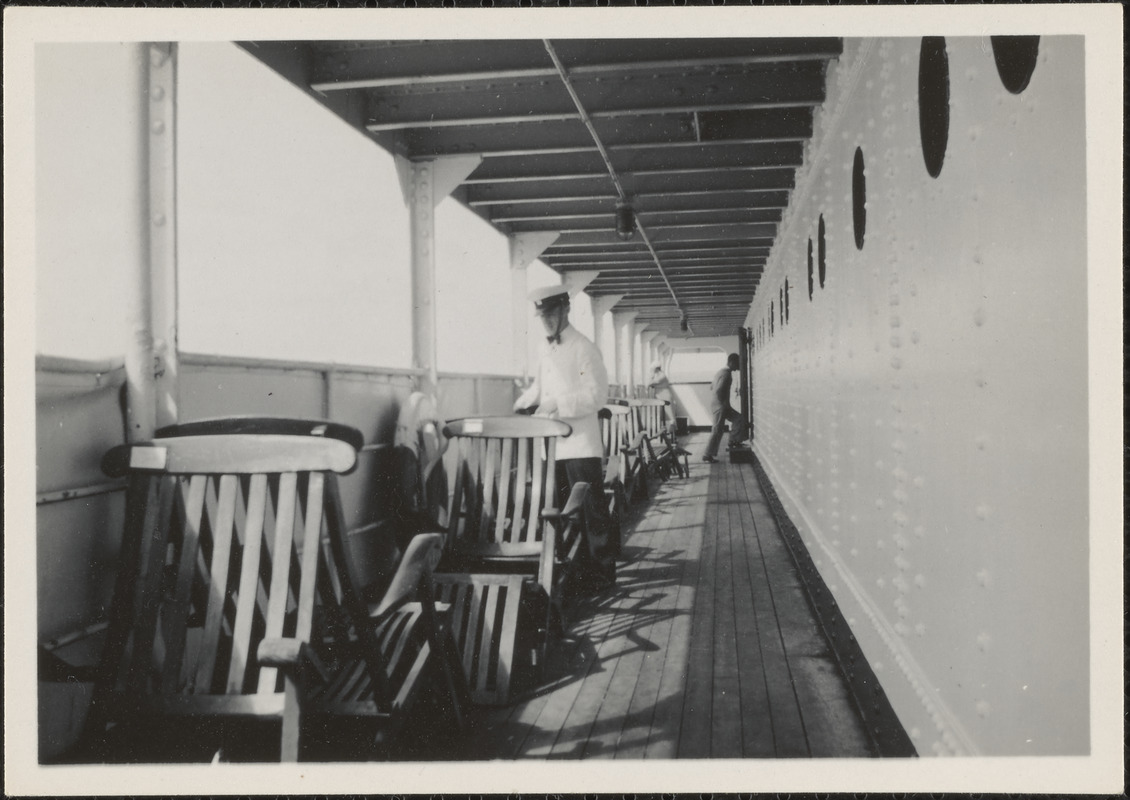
521 511
537 470
455 520
250 589
280 573
222 531
191 508
147 603
490 474
505 477
311 546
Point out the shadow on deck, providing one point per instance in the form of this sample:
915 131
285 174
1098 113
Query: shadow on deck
706 647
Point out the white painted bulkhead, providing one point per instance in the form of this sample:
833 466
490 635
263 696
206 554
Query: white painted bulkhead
924 414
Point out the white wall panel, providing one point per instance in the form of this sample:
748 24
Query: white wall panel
924 414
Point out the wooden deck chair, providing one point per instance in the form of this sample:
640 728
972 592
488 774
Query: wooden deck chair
619 478
218 615
638 456
508 546
661 459
680 455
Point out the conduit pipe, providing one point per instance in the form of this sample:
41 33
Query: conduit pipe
612 171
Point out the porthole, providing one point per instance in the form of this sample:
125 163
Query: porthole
1016 60
821 252
858 199
934 102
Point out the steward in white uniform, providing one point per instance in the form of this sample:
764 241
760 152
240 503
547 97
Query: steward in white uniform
571 384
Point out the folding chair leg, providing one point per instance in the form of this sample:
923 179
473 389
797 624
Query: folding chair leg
454 681
291 724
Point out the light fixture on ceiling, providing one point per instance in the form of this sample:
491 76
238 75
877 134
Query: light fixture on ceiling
684 323
625 220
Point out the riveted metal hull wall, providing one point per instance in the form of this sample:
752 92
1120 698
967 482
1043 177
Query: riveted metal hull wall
924 414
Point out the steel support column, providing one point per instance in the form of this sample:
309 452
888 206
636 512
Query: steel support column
151 303
163 227
622 326
524 248
639 355
421 208
601 305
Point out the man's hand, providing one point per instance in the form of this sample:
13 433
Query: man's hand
548 406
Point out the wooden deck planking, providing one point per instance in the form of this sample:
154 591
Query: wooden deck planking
788 727
593 724
695 731
832 725
663 738
706 647
757 720
726 732
639 719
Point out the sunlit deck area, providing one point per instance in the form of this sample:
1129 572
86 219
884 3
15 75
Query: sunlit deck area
706 647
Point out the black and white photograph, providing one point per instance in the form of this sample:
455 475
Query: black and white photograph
563 400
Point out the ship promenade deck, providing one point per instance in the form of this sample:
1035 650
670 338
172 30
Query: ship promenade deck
705 648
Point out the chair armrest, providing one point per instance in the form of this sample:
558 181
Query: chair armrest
576 500
290 654
419 560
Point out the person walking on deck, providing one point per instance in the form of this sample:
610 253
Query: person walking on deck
722 411
571 384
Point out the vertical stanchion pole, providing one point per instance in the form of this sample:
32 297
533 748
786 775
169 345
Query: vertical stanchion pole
162 226
421 211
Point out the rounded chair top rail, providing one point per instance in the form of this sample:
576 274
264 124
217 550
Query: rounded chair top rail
265 425
228 454
634 402
507 426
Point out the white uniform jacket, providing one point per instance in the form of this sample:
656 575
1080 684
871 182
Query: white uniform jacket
573 374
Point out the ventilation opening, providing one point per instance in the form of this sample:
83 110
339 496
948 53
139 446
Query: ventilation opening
1016 60
934 102
858 198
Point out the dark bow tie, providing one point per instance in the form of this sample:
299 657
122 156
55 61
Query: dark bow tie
554 339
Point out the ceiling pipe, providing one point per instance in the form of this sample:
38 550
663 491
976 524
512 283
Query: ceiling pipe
615 178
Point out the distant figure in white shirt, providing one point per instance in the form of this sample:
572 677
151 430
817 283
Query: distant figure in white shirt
571 384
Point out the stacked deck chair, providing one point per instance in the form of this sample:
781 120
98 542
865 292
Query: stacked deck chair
668 448
235 608
622 472
508 546
650 429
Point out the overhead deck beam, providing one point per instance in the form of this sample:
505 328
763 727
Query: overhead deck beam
616 263
658 161
536 101
675 219
338 67
659 130
770 184
600 210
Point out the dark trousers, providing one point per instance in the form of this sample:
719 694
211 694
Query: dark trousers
721 415
601 545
